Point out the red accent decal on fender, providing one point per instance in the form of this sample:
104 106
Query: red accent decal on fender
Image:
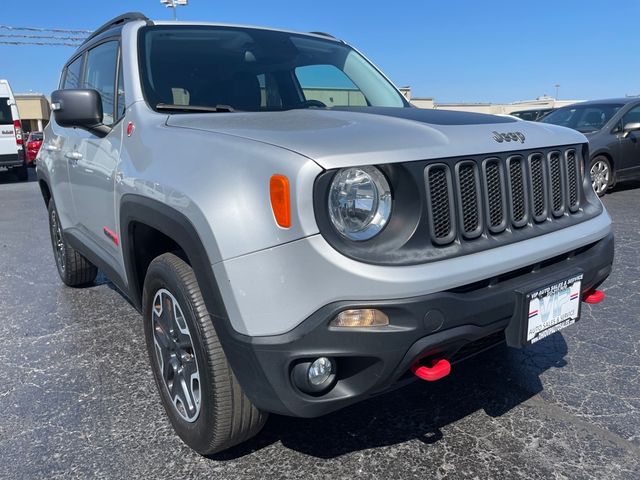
112 235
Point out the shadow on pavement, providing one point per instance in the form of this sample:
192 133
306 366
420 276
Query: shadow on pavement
626 185
7 176
495 381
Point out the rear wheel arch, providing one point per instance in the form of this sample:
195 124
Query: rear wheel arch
45 190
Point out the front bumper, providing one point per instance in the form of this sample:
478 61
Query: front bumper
453 324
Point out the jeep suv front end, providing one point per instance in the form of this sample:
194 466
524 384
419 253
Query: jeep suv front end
296 235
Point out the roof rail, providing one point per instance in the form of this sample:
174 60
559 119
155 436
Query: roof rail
120 20
324 34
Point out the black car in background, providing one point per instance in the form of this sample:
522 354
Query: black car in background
534 115
613 129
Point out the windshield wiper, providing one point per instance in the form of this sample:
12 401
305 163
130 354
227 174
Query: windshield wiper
193 108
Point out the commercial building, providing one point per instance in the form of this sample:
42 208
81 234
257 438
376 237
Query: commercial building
492 108
34 111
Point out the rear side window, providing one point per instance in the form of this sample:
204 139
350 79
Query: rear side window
529 116
100 75
72 77
5 112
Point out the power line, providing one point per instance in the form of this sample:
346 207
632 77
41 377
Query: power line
50 44
37 29
50 37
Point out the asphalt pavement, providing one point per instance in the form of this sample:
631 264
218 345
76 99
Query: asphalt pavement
77 397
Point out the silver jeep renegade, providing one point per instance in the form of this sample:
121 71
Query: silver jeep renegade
296 235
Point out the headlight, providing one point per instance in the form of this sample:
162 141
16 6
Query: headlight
359 202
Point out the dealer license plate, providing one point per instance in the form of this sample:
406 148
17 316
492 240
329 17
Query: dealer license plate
553 308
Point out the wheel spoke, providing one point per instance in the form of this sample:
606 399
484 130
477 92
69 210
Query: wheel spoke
162 337
183 341
189 365
183 395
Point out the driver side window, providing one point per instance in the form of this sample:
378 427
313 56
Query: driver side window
329 85
632 116
100 75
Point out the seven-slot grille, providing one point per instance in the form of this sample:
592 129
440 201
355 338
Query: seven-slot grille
496 193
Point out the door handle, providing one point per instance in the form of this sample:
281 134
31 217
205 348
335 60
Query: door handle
51 148
73 157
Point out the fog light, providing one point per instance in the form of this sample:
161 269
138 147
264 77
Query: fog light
315 377
320 371
361 317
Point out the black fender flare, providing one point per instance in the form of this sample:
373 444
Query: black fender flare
242 359
176 226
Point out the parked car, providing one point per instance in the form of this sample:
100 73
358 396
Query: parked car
34 141
613 129
533 115
11 148
293 258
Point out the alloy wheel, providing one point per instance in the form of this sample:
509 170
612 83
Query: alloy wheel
175 354
57 240
600 177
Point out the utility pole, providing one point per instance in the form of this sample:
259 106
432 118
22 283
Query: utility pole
174 5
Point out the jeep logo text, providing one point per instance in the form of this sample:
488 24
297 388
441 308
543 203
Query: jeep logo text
508 137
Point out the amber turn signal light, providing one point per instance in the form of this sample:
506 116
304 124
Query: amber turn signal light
280 200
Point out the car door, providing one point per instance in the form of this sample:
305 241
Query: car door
93 157
57 140
629 158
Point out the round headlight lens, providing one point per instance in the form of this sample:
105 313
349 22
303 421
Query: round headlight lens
359 202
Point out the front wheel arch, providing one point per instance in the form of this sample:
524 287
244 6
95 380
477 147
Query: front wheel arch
180 237
609 157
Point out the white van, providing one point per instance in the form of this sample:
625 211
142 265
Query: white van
11 148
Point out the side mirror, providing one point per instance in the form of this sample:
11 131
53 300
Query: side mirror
81 108
630 127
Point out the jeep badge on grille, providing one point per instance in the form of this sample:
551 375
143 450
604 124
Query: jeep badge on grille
508 137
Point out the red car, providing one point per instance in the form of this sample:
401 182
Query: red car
33 146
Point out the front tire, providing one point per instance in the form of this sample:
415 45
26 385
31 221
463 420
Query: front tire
73 268
199 392
601 175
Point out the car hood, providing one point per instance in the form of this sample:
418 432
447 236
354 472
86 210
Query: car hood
364 136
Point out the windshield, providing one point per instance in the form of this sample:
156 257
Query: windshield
255 70
584 118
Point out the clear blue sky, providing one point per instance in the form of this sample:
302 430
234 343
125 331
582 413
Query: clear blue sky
472 50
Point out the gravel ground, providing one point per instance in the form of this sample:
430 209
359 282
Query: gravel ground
77 396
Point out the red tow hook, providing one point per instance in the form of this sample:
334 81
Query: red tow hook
438 369
593 296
